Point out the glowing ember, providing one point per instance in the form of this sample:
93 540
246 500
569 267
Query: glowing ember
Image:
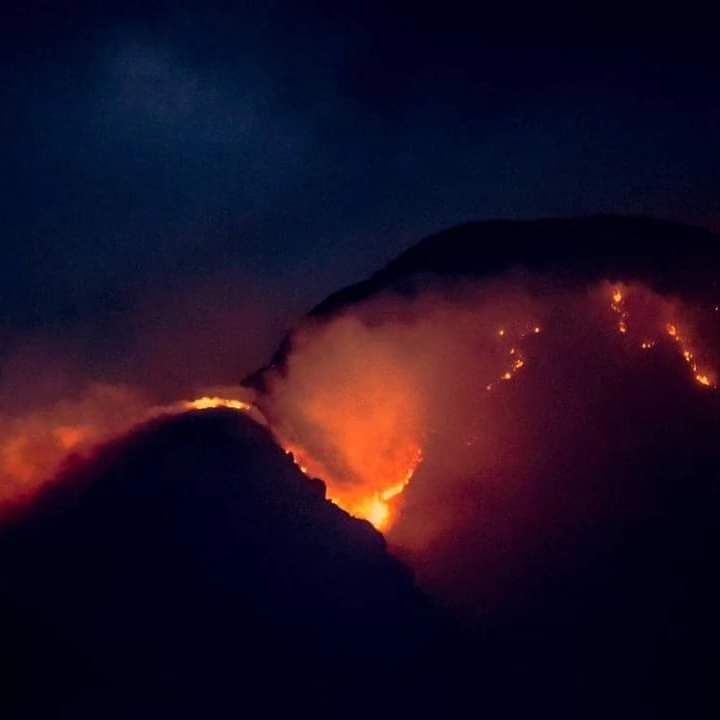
618 298
519 361
703 377
207 403
672 330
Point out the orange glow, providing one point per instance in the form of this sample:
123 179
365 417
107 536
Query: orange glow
378 509
70 436
376 512
375 506
363 425
207 403
617 306
34 444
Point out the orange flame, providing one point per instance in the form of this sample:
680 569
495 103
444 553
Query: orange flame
375 506
702 376
378 509
206 403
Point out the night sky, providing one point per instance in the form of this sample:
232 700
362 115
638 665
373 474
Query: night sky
280 152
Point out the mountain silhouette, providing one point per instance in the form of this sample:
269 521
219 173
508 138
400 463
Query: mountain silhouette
190 564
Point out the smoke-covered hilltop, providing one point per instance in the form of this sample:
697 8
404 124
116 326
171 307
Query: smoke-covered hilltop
559 379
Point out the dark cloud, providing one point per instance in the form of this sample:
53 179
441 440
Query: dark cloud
148 143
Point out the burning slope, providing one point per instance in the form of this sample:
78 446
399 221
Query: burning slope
378 419
660 317
369 396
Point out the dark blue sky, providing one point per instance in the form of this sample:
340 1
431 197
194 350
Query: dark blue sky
280 152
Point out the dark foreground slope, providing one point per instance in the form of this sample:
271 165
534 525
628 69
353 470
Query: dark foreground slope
191 568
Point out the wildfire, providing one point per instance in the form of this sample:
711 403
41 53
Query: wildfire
207 403
378 508
518 361
672 330
374 506
688 355
617 306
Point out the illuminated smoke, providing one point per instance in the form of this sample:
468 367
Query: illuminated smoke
34 444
